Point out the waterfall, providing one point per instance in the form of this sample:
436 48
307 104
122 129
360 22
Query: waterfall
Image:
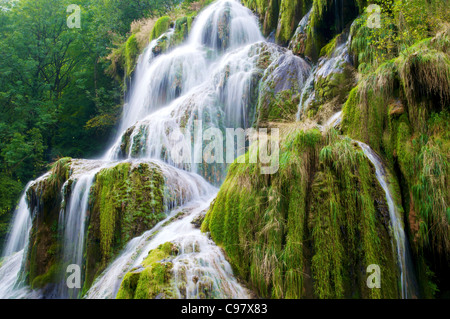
21 224
11 283
325 67
72 222
407 279
208 78
213 77
198 258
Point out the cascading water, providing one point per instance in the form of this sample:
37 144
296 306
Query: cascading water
210 78
11 284
72 221
198 263
12 279
407 278
213 74
326 67
18 236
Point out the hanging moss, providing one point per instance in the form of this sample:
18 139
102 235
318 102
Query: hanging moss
367 108
268 12
400 110
349 220
290 245
259 220
126 201
182 28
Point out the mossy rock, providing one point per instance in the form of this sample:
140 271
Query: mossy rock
291 12
127 200
349 222
280 89
45 198
51 276
161 26
131 54
153 279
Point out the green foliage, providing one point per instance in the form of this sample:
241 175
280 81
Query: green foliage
55 96
403 23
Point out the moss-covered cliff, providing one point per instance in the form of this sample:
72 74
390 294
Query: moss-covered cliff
310 229
125 201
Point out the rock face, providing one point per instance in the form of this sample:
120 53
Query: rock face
280 17
281 87
125 201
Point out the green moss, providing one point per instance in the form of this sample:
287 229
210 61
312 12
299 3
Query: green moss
268 12
349 230
367 108
182 28
161 26
51 276
128 285
310 230
400 110
153 280
282 106
45 198
291 12
131 54
328 49
161 253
